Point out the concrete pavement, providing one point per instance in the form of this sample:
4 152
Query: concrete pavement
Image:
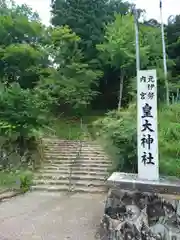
50 216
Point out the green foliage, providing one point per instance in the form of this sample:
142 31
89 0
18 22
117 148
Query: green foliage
25 182
118 131
169 137
73 127
62 69
23 64
23 61
118 50
150 39
64 45
118 47
73 85
23 57
10 8
16 180
21 111
87 19
173 50
65 128
72 81
41 69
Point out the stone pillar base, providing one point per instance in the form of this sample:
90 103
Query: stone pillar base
141 215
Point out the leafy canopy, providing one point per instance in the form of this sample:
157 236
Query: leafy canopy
72 81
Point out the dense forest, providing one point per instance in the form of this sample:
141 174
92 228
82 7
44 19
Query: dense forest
84 65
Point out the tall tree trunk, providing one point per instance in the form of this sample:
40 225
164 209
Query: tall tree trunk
121 90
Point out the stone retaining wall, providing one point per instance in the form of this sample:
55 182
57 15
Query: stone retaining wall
133 215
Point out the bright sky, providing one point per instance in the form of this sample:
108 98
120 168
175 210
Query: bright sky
170 7
40 6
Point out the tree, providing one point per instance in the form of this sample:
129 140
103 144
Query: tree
173 50
72 81
47 59
118 49
23 62
150 37
87 19
11 9
26 11
22 47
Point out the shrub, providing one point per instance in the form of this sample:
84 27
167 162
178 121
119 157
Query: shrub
23 113
169 139
25 182
118 132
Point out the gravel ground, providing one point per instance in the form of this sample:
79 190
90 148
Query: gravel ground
49 216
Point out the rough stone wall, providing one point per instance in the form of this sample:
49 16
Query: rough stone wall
140 216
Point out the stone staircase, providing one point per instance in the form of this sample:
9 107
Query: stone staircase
72 166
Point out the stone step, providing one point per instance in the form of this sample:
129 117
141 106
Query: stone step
72 151
51 139
75 149
62 140
71 154
68 148
87 143
80 159
86 160
86 183
49 168
64 188
70 142
78 163
59 176
85 157
83 144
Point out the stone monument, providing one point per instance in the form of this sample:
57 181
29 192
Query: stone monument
143 206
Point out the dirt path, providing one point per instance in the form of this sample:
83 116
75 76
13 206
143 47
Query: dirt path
51 216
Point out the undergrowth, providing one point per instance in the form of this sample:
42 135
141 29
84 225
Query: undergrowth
117 132
20 180
71 128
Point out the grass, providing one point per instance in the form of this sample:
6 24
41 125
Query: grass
67 128
72 128
12 179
